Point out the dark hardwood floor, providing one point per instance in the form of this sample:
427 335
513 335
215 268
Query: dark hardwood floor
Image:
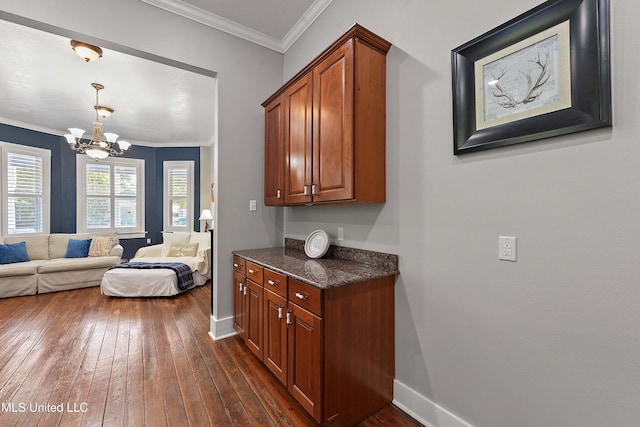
78 358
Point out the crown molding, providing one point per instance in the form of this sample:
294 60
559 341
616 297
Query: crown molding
223 24
314 11
56 132
29 126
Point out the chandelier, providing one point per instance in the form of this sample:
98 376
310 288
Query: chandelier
101 145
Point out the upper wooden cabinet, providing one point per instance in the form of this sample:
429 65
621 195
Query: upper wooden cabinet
274 152
325 129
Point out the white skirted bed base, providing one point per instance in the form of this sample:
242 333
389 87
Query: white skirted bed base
162 282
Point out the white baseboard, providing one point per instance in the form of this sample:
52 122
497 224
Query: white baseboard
423 409
221 328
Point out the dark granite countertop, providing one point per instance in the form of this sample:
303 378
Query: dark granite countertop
341 266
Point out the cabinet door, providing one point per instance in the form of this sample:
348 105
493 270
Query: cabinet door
333 127
274 152
238 303
253 318
298 143
275 335
305 359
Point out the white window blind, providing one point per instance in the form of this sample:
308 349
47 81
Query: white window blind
25 180
110 195
98 196
178 196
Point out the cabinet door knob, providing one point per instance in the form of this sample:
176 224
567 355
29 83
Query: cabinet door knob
301 296
314 190
278 195
245 291
280 312
240 285
288 318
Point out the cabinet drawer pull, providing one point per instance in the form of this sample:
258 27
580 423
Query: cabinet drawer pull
245 291
288 318
314 190
251 271
278 196
240 285
280 312
301 296
306 190
235 265
271 282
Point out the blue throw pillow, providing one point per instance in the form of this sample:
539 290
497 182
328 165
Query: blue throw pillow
78 248
14 252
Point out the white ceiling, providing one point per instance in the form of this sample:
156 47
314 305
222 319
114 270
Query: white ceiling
156 104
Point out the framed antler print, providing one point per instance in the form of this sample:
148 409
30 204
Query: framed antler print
542 74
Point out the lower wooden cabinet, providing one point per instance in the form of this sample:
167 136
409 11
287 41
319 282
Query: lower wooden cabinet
253 318
275 335
332 348
238 303
305 359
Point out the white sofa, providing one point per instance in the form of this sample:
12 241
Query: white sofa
49 271
160 282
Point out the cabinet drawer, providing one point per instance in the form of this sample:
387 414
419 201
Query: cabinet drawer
275 282
254 272
238 264
306 296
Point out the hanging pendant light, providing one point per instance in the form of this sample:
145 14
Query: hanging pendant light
101 145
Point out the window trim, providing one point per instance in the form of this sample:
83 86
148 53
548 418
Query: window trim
166 216
7 148
81 196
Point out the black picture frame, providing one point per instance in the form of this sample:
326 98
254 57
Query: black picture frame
590 76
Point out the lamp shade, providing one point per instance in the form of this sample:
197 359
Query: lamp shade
205 215
77 133
111 137
97 153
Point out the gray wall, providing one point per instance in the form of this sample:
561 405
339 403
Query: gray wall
553 339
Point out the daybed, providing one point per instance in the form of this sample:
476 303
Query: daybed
132 282
47 265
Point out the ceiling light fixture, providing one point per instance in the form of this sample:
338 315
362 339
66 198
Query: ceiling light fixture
99 147
86 51
104 111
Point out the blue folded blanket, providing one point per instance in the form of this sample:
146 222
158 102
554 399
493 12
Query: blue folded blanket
183 271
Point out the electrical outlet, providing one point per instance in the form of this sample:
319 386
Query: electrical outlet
507 248
340 233
252 206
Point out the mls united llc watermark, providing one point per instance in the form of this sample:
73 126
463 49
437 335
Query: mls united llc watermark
21 407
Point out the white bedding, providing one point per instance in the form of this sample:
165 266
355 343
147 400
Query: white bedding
196 263
162 282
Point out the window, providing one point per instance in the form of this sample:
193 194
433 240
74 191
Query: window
178 196
110 195
25 182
